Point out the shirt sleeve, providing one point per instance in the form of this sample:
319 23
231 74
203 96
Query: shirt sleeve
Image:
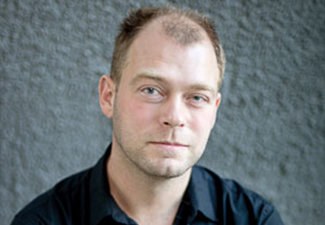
270 216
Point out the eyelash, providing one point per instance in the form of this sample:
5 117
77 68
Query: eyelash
199 103
149 89
201 98
158 95
151 94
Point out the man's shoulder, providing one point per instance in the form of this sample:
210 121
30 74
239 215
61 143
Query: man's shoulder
51 206
234 200
228 187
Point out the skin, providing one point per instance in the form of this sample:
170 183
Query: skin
163 113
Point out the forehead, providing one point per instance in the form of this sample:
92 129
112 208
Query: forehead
154 50
174 29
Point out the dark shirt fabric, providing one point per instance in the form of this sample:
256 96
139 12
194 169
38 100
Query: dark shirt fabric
85 198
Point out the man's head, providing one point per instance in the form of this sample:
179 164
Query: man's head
164 97
184 26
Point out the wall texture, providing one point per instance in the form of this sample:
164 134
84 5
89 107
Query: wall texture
270 133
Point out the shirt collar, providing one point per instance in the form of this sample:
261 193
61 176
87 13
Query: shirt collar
200 196
102 203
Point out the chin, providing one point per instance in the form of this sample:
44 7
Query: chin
168 171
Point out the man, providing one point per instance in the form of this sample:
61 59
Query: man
163 96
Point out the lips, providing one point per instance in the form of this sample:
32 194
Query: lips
167 144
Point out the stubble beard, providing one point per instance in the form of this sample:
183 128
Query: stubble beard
127 142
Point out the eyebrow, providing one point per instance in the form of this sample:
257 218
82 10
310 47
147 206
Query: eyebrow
148 75
152 75
202 87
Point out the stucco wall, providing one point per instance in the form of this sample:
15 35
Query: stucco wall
270 132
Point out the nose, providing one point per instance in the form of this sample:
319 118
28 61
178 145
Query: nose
173 113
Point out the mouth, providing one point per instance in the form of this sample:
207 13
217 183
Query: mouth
169 145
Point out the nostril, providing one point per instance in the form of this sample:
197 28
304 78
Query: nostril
166 123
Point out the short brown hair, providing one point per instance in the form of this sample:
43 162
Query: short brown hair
181 32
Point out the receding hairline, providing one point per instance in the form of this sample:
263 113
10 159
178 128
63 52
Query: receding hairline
138 20
162 21
178 26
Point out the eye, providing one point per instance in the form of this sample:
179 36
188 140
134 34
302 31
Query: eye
151 94
150 91
198 100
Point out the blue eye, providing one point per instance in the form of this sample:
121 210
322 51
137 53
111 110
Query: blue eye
151 94
198 98
150 91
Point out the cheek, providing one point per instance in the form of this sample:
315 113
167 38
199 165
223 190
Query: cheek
139 113
203 122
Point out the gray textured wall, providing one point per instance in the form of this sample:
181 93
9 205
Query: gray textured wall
270 133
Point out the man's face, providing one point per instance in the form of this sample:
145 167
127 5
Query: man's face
166 104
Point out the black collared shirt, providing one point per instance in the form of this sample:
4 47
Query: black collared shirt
84 198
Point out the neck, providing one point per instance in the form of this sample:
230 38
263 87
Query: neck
146 199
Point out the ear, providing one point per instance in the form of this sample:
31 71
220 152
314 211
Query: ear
217 104
218 100
106 91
